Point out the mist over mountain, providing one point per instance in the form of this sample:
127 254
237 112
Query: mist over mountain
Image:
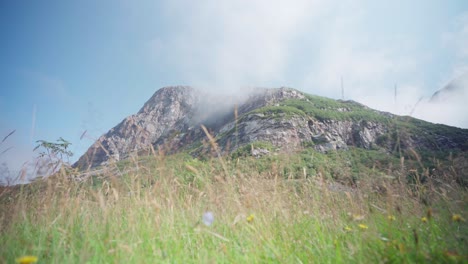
447 105
453 90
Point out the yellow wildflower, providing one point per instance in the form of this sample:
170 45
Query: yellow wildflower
250 218
363 226
424 219
391 217
26 260
457 218
347 228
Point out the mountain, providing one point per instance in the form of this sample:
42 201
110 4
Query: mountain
284 118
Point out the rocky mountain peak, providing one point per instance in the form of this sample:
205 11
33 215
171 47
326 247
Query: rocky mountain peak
166 97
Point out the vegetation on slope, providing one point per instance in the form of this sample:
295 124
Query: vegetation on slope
268 210
434 141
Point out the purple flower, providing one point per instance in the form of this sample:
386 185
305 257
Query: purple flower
208 218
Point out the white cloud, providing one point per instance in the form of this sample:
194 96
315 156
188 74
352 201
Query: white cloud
235 43
370 68
451 112
363 71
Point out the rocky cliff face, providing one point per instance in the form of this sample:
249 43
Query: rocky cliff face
292 132
167 108
286 118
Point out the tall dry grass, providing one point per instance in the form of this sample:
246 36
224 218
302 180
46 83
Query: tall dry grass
152 212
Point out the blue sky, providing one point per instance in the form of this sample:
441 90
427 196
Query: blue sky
71 66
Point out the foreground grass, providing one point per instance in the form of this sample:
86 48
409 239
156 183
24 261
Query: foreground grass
153 214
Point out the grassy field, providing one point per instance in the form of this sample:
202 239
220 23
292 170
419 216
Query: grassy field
153 213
